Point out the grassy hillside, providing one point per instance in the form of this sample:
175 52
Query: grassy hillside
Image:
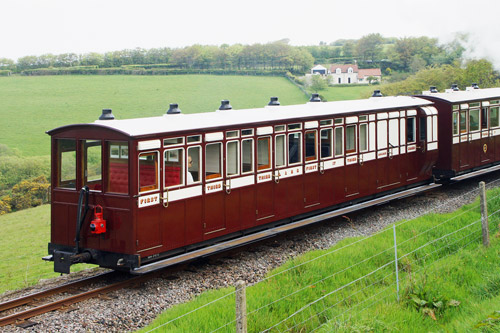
32 105
449 283
23 243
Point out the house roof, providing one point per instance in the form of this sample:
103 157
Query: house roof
344 68
319 67
369 72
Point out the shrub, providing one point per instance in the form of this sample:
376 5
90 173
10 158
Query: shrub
30 193
5 206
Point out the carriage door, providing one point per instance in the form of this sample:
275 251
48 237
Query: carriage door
475 142
394 171
311 169
264 187
239 194
351 176
413 155
465 156
487 153
214 221
494 131
148 223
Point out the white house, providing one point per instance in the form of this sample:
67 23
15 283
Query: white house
318 69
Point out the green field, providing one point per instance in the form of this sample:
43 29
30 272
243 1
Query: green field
29 106
344 93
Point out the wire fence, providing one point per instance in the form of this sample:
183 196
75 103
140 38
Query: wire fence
362 273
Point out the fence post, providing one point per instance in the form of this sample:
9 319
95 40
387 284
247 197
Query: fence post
396 260
484 214
241 307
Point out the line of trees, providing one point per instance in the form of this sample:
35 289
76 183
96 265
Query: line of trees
408 54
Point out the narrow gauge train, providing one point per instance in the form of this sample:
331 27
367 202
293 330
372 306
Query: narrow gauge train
162 186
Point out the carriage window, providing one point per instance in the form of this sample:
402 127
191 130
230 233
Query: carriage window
193 165
363 137
148 171
327 122
294 126
494 116
263 153
92 166
311 148
280 150
411 130
350 139
173 141
194 139
294 148
474 120
455 123
423 128
174 167
463 122
232 158
247 155
339 141
213 165
326 143
484 118
247 132
66 163
232 134
279 128
118 167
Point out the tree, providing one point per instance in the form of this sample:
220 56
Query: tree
318 83
369 47
481 72
6 63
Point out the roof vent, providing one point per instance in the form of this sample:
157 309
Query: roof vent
377 93
315 98
106 115
433 89
173 109
454 87
274 101
224 105
475 86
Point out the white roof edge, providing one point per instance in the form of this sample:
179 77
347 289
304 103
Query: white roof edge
187 122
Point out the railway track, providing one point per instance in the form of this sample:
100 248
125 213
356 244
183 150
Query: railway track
35 308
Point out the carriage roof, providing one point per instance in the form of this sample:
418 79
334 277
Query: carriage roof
467 95
249 117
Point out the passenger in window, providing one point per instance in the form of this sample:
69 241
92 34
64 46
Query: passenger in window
189 175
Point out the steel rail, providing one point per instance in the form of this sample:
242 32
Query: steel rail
23 315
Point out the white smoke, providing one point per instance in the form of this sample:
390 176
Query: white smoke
478 44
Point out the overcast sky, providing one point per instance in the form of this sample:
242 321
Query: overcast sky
36 27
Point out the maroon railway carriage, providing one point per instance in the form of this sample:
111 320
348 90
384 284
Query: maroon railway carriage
469 130
176 182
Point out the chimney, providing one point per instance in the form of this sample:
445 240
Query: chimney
433 89
106 115
173 109
274 101
377 93
224 105
315 98
454 87
475 86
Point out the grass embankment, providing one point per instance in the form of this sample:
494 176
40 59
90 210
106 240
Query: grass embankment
32 105
23 243
449 282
